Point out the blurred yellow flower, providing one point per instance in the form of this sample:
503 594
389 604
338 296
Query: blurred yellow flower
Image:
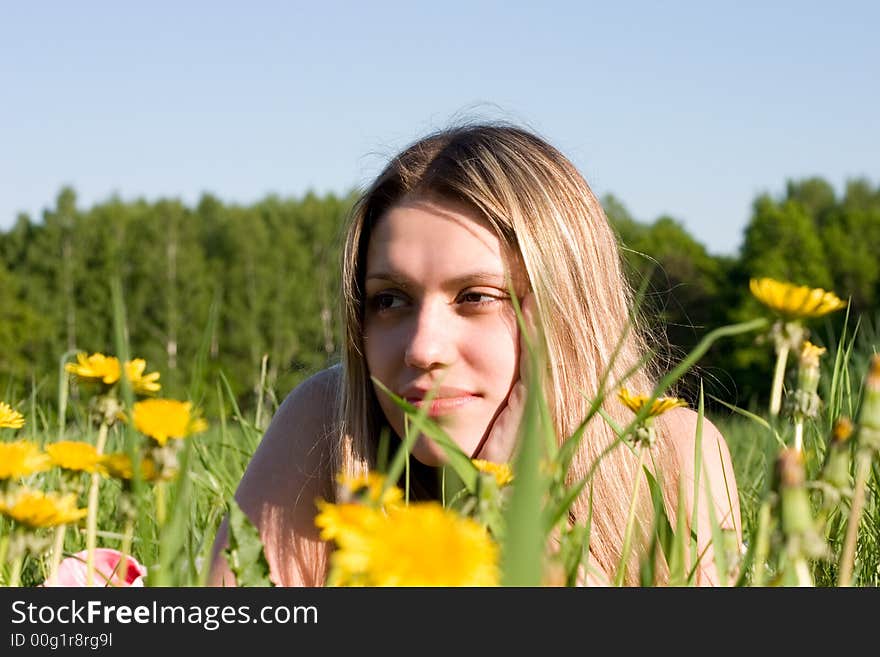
97 367
842 429
118 465
503 473
658 406
794 301
10 418
161 419
22 458
372 483
75 456
424 544
37 509
350 526
345 521
140 383
421 544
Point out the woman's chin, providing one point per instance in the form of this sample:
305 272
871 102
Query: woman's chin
428 452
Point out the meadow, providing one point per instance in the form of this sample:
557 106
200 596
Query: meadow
151 478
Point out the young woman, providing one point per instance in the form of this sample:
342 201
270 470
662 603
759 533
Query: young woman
430 250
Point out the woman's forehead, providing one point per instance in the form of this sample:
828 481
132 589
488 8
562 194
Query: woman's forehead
424 237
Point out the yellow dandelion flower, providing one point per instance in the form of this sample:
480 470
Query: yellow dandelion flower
809 356
141 383
794 301
118 465
37 509
96 367
75 456
424 544
341 522
161 419
10 418
658 406
372 483
151 472
502 472
350 526
22 458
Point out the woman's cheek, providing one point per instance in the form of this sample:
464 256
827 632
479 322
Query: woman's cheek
495 354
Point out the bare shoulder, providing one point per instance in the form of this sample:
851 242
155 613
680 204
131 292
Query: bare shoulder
296 440
307 410
686 428
288 471
319 388
705 471
692 436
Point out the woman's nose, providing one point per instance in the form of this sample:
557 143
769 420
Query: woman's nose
431 343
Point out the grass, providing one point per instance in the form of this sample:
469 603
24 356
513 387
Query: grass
176 520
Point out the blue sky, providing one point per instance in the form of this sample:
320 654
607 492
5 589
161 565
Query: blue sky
683 108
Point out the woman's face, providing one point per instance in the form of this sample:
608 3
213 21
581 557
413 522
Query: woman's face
438 311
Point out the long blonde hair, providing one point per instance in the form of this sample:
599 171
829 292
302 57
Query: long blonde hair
544 212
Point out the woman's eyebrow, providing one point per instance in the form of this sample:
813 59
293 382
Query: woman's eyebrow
470 278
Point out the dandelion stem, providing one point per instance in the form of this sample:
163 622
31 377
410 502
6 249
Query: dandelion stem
127 537
799 435
802 573
92 514
778 377
159 496
630 523
57 549
762 542
123 552
863 468
15 573
4 546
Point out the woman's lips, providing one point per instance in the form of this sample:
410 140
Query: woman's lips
444 405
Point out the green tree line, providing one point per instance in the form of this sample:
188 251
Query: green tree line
236 283
255 288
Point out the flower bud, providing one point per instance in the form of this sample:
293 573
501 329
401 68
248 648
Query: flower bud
790 468
841 431
835 471
808 366
869 416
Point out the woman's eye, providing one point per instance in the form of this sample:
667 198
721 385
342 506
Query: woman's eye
385 301
478 298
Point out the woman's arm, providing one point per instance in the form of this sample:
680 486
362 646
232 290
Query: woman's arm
717 482
288 471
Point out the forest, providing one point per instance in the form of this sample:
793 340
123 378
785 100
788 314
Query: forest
250 292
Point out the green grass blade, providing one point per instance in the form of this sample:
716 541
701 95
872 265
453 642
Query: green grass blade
698 469
175 531
198 371
718 547
523 546
753 417
63 392
662 535
244 553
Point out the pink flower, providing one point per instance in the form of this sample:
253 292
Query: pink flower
72 570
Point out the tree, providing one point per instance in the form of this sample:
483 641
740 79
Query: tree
782 242
22 331
851 237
